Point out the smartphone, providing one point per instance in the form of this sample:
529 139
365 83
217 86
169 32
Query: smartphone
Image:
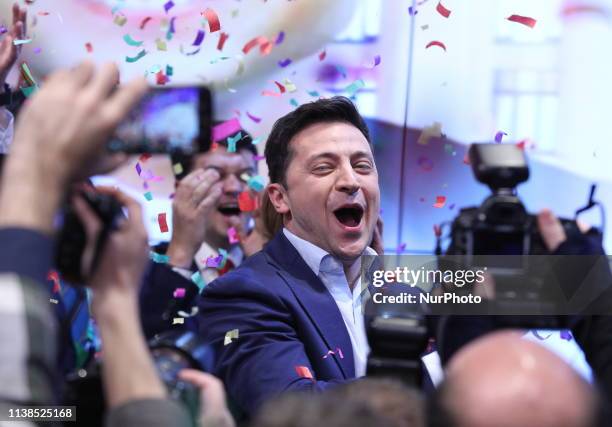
172 120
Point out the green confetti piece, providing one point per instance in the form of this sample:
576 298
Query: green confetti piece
148 196
313 93
29 91
159 258
28 73
129 40
294 102
23 41
135 58
355 86
169 70
231 142
256 183
198 280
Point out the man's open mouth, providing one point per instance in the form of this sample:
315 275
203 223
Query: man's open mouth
349 215
229 209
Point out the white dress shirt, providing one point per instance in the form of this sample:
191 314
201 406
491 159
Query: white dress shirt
331 273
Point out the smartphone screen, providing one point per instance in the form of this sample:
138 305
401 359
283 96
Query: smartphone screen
174 120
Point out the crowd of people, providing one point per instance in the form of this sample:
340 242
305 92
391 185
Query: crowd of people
282 315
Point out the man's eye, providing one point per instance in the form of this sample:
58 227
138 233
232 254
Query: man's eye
363 166
322 168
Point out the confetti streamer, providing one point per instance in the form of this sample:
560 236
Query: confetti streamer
499 136
232 235
436 43
148 196
159 258
256 183
161 220
88 47
246 203
284 63
18 42
225 129
440 202
442 10
525 20
213 20
322 55
254 118
136 58
169 5
198 280
304 372
257 41
231 335
425 163
199 38
179 293
193 312
144 22
232 141
222 39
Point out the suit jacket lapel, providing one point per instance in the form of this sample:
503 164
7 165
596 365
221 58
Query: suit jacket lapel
314 297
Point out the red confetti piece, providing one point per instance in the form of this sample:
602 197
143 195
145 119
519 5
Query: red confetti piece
257 41
89 47
525 20
254 118
54 276
161 78
43 13
222 39
442 10
145 22
440 202
144 157
213 20
280 87
322 55
436 43
246 203
437 230
270 93
163 225
304 372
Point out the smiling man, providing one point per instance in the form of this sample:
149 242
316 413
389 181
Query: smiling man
296 304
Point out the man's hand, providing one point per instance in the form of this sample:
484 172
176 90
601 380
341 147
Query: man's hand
195 196
61 134
213 410
8 51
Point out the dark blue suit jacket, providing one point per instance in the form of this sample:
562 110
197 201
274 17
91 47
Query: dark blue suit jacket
286 318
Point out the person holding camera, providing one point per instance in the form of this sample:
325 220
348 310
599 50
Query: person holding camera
79 108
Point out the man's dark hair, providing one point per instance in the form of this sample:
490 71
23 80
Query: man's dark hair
278 152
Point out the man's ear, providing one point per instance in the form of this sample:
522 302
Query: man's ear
278 197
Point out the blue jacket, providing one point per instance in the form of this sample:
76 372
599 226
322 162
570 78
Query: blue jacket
286 319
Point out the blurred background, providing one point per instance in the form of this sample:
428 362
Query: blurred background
545 86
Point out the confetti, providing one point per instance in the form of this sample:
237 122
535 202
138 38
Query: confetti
198 280
540 337
53 301
179 293
258 157
169 5
440 202
442 10
436 43
280 87
256 141
19 42
120 20
294 102
433 131
178 321
138 168
144 22
159 258
257 41
270 93
256 183
425 163
161 45
161 78
193 312
565 335
284 62
313 93
213 20
437 230
401 247
54 277
29 91
232 141
148 196
304 372
376 61
354 87
161 220
214 262
169 70
254 118
199 38
342 70
26 74
225 129
177 168
3 29
290 86
332 352
232 235
222 39
280 38
246 203
230 335
525 20
136 58
322 55
88 47
499 136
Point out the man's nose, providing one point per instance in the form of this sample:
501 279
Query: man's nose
232 184
348 181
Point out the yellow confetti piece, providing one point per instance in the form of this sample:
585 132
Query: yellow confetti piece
290 86
178 321
120 20
433 131
230 335
161 45
177 168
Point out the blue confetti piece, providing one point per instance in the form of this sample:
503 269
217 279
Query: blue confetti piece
231 142
159 258
256 183
198 280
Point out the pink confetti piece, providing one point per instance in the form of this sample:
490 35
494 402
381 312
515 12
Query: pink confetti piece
322 55
304 372
440 202
525 20
163 225
225 129
257 158
270 93
179 293
144 22
232 236
436 43
442 10
213 20
257 41
499 136
254 118
88 47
